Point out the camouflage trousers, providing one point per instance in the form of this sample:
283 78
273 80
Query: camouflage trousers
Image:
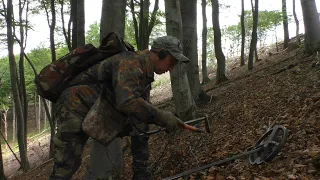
70 140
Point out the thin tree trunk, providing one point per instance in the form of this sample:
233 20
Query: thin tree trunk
15 91
2 175
205 77
14 121
80 23
243 34
144 28
253 44
66 33
184 103
285 24
296 20
35 110
40 114
74 12
221 60
21 70
44 115
5 122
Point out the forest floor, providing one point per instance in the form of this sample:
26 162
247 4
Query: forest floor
283 89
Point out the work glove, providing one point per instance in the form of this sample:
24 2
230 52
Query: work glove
169 121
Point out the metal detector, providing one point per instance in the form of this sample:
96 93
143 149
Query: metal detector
264 150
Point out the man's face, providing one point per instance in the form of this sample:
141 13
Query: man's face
165 65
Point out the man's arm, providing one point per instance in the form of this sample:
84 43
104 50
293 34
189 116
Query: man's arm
127 83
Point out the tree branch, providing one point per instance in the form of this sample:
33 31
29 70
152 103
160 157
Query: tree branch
11 150
4 14
134 22
153 18
47 13
67 38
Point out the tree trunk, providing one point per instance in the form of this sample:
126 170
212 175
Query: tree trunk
190 49
243 34
221 60
184 103
14 121
35 111
108 161
205 77
2 175
74 13
110 10
22 86
66 32
15 89
311 26
80 23
253 44
143 30
105 161
53 58
285 24
40 114
296 20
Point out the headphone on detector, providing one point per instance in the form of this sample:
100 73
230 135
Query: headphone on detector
162 53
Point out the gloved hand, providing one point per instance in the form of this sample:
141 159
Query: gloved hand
169 121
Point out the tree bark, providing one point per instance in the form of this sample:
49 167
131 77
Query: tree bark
66 32
253 44
108 161
205 77
74 13
40 114
221 60
144 28
2 175
296 20
311 26
285 24
184 103
110 10
22 86
190 49
243 34
80 23
14 121
15 91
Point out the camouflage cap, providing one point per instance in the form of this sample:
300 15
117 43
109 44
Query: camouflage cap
172 45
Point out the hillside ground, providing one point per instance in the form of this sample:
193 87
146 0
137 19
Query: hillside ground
282 89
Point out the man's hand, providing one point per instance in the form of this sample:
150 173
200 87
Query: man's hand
169 121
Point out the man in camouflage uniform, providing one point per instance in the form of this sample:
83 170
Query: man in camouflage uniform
128 76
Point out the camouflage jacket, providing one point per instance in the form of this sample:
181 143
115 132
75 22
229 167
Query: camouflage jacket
128 76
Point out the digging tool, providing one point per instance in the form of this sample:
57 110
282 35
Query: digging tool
187 126
265 149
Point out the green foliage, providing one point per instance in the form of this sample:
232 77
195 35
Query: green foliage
210 47
93 34
268 21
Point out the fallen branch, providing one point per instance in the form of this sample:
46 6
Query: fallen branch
10 148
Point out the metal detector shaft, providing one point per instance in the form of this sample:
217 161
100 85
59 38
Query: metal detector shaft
191 171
